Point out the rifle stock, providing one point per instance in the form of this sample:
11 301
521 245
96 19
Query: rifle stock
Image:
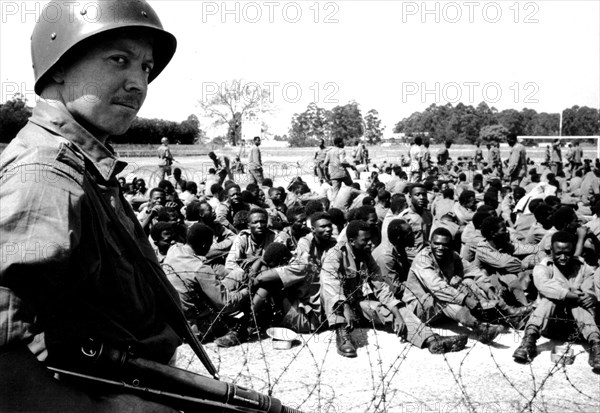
180 388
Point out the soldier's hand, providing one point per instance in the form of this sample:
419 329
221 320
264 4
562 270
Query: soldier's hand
455 281
171 204
156 209
397 326
587 300
349 316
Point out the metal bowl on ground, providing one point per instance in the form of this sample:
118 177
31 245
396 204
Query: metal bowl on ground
562 354
282 338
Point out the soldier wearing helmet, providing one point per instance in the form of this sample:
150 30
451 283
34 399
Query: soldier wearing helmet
76 266
165 158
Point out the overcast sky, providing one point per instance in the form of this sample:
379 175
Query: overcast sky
397 57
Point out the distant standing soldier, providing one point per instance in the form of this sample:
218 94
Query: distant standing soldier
416 160
320 154
496 160
255 163
165 158
556 161
478 155
517 161
577 158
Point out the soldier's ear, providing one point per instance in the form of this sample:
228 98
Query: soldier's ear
58 74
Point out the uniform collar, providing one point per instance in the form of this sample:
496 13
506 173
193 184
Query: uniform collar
59 121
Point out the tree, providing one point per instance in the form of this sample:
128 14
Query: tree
309 126
347 122
493 133
13 116
581 121
512 120
373 129
223 105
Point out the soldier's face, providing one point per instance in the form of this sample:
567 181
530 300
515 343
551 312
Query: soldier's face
106 87
562 253
323 229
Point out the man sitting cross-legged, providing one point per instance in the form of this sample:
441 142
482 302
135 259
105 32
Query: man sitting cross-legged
295 286
352 286
208 293
566 287
435 287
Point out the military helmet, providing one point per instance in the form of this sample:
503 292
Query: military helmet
63 25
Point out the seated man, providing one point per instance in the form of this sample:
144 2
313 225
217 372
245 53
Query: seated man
391 257
435 288
231 206
566 286
508 263
249 245
352 286
469 248
208 293
419 218
297 229
223 237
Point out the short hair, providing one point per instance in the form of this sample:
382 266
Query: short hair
485 208
462 176
229 187
396 228
478 218
519 191
199 235
465 195
489 226
256 138
448 193
240 220
247 197
416 185
317 216
337 216
398 203
354 227
418 140
542 211
166 186
192 211
212 171
491 198
158 228
534 204
562 217
313 206
293 212
367 200
552 200
276 254
364 211
153 190
337 140
191 186
441 231
268 182
257 211
211 154
216 189
564 237
251 187
372 191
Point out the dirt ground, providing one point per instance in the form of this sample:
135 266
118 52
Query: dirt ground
391 376
388 375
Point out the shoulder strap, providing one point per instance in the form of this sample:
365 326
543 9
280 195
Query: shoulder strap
154 278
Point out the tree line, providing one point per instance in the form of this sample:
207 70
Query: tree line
15 113
468 124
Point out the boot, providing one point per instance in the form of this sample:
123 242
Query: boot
234 337
343 341
440 345
595 356
527 350
486 333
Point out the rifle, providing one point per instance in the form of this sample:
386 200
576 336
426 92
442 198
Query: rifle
178 388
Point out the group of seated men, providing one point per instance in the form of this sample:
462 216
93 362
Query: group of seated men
397 256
